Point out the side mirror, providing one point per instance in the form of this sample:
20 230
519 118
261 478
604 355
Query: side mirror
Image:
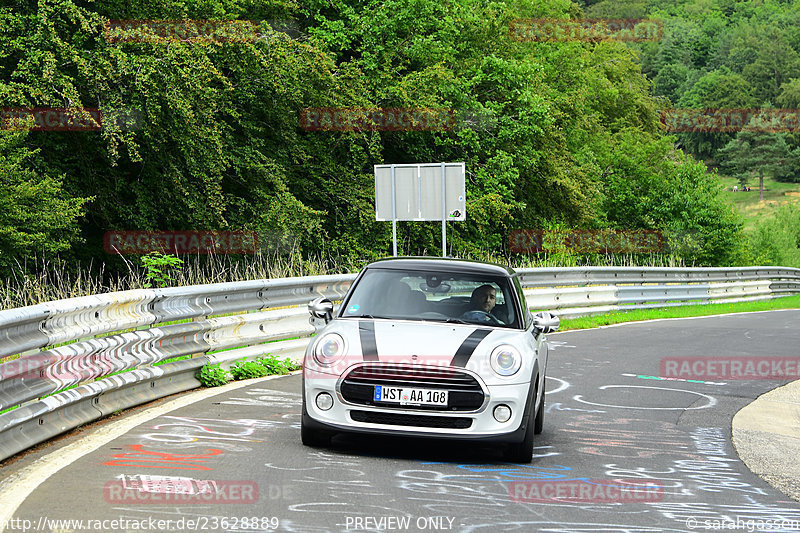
321 308
546 322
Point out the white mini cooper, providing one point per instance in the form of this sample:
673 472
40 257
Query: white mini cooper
429 348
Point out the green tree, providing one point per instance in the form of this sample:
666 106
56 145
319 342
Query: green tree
37 217
220 144
789 96
790 99
719 89
647 184
675 47
775 63
217 144
670 81
755 151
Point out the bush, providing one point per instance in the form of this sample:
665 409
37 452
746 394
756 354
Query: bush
213 375
249 370
776 240
277 366
159 269
263 366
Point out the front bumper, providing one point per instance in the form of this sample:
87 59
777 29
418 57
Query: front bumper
478 424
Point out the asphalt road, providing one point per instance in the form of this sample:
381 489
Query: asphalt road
608 424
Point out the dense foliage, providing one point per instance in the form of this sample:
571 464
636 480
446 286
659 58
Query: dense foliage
566 133
723 54
777 238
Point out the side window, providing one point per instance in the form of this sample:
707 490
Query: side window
501 295
508 305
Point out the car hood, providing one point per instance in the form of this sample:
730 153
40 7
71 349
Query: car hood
415 343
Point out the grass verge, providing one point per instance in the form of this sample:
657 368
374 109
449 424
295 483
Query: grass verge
776 193
618 317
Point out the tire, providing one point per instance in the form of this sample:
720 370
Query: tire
522 452
538 424
314 438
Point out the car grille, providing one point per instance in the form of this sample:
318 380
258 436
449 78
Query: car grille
446 422
464 391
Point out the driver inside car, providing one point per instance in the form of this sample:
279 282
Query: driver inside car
482 301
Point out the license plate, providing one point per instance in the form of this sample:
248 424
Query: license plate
410 395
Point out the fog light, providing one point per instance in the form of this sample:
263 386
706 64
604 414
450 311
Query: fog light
324 401
502 413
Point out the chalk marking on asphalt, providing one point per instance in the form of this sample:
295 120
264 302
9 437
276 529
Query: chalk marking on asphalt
659 378
711 400
16 488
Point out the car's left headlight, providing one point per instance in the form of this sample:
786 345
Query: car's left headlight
505 360
329 349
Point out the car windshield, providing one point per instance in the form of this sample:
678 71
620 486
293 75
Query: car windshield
433 296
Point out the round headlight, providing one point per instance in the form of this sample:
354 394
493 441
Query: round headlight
505 360
329 348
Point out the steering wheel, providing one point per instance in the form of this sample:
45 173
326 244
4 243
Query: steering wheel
482 316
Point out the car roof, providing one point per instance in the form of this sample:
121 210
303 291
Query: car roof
444 264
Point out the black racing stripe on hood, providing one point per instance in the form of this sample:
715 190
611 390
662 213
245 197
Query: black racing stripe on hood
464 351
366 332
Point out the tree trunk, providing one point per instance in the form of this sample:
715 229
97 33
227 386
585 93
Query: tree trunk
761 186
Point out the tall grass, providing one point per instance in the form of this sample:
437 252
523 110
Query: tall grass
41 281
46 280
560 259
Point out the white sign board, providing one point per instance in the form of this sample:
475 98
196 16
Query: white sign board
424 191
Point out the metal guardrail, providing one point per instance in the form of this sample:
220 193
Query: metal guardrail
72 343
576 291
85 342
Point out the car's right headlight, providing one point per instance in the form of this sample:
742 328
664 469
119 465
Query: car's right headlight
328 349
505 360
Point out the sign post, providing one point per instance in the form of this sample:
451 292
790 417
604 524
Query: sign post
394 216
444 211
420 191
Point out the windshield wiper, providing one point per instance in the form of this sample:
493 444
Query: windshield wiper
446 320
